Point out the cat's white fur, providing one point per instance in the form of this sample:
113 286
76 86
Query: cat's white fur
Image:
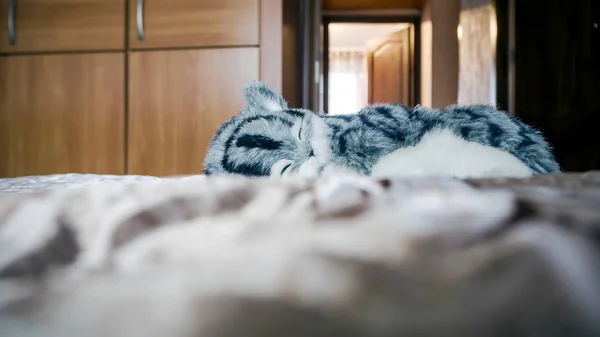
443 154
271 105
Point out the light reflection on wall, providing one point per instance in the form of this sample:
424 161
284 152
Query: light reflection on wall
478 32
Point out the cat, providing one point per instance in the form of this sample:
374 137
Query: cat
383 140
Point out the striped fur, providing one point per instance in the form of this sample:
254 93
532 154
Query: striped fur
268 139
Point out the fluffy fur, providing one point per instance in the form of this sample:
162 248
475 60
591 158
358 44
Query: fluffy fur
269 139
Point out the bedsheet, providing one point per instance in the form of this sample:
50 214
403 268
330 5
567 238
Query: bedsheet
291 257
72 180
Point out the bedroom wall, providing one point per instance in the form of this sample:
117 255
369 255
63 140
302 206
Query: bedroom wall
439 53
477 52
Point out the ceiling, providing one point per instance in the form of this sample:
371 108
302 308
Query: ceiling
356 35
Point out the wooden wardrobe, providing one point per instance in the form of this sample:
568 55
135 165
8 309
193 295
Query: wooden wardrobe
127 87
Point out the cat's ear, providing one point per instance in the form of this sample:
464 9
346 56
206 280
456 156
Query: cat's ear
260 97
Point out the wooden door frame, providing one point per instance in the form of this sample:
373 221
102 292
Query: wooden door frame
310 52
505 54
410 17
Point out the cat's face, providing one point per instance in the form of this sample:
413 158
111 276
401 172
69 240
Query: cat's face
268 139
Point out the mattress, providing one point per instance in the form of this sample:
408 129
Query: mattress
85 255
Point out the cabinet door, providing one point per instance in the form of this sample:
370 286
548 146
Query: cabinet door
177 101
64 25
62 114
193 23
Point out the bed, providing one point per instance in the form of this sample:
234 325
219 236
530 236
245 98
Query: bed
92 255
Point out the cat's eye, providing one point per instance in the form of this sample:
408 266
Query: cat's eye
300 132
285 168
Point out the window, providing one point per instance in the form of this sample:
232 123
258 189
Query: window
344 93
347 80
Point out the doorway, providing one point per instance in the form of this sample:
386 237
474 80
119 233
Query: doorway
368 60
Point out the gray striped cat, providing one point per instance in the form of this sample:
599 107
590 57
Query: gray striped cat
269 139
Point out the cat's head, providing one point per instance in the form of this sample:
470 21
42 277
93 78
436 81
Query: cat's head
269 139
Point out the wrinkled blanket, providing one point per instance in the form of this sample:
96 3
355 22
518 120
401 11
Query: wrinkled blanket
73 180
333 257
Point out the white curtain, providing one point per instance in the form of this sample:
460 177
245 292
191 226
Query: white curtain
347 81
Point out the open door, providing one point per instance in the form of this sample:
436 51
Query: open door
389 69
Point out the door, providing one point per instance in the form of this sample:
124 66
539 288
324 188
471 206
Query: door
62 114
389 64
62 25
557 77
177 101
193 23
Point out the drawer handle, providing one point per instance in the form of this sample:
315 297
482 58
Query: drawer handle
11 22
140 19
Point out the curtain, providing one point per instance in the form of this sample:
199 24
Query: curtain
347 81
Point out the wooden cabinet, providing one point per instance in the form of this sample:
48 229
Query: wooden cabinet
62 114
193 23
177 101
64 25
79 92
178 98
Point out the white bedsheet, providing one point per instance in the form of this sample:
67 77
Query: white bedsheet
33 183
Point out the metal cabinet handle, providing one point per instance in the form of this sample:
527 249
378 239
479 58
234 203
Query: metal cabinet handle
140 19
11 22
